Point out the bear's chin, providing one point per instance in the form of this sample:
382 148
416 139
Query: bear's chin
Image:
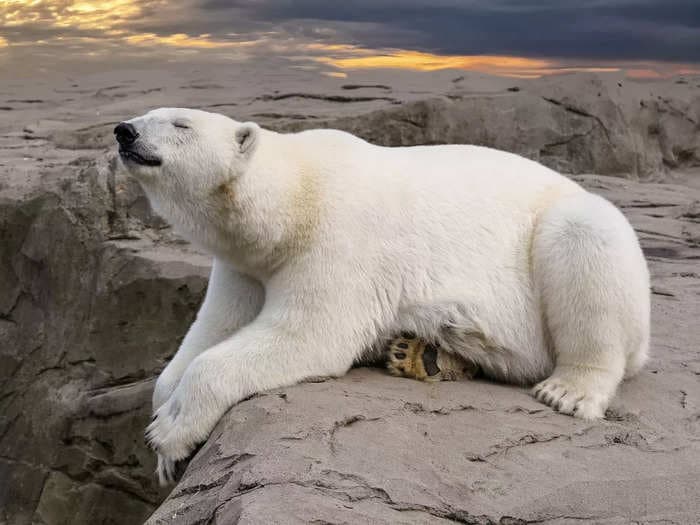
131 157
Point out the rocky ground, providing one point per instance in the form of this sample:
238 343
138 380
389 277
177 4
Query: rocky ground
96 291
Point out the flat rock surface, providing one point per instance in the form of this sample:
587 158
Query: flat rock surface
96 291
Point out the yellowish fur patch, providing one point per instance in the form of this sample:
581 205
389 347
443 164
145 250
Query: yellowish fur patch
225 190
305 209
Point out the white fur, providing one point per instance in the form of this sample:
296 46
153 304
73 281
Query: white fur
324 244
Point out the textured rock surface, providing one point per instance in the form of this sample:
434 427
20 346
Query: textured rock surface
88 315
574 124
96 291
368 448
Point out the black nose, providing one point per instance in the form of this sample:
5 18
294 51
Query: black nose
126 133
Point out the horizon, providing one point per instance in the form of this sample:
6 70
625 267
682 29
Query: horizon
640 38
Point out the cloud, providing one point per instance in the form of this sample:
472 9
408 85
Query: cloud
603 29
518 36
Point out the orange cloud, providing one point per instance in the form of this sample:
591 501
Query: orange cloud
111 18
416 60
110 24
353 57
88 15
650 71
184 40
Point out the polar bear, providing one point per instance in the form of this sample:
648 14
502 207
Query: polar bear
324 244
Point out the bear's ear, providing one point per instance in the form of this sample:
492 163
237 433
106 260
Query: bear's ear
247 137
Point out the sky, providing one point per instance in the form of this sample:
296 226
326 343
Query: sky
522 38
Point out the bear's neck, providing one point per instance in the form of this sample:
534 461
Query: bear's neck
261 221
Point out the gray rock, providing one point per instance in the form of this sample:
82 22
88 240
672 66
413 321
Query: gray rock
96 292
86 321
585 126
369 448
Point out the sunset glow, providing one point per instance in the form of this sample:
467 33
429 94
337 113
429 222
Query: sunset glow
403 59
183 40
359 58
64 13
649 73
109 19
97 28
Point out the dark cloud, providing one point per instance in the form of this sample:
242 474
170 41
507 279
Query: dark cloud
666 30
574 31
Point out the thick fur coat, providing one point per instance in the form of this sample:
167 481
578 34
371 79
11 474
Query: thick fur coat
324 244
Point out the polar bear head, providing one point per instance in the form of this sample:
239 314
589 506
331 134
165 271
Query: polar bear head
185 151
232 188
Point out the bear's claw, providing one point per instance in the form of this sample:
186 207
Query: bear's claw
567 398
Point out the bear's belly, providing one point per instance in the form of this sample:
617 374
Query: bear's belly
505 335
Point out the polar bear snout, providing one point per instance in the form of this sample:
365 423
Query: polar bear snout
125 133
131 150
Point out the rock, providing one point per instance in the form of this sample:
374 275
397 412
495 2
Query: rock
96 292
369 448
564 126
90 137
86 323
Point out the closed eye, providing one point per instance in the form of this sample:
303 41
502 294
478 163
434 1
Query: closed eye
181 124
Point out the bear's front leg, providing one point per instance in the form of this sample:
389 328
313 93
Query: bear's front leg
233 300
280 348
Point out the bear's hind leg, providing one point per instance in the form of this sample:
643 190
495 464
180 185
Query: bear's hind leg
415 358
594 287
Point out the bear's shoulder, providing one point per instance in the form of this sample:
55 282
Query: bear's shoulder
330 137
